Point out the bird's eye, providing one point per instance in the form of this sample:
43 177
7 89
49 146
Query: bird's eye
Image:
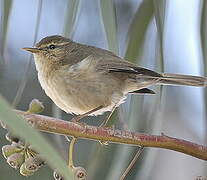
52 46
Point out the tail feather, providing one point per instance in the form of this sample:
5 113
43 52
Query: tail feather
179 79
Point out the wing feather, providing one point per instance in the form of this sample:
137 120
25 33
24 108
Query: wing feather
117 65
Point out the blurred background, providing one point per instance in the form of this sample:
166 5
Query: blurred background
163 35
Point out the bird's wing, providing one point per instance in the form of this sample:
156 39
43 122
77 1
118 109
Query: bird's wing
107 61
117 65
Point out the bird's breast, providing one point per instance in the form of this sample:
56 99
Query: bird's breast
79 93
55 89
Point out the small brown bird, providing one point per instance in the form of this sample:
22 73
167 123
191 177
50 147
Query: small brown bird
85 80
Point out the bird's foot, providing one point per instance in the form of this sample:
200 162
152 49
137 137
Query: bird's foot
76 120
104 125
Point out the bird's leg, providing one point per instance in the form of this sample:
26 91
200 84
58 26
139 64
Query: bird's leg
79 117
106 120
105 123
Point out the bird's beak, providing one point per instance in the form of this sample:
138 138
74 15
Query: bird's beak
32 50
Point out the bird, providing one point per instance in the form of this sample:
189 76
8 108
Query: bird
85 80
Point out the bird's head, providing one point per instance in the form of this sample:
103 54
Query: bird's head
51 50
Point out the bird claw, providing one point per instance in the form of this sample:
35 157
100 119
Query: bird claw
75 119
79 123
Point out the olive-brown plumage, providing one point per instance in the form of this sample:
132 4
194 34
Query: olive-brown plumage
80 78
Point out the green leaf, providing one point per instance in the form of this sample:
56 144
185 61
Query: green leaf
159 9
204 34
7 8
70 18
204 49
21 128
138 30
108 13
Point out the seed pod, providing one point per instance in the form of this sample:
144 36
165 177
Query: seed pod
38 160
31 165
16 160
31 147
57 176
35 106
24 171
8 150
79 173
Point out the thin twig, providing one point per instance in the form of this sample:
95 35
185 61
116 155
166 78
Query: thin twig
140 150
70 153
53 125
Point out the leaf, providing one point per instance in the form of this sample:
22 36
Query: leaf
70 18
204 34
21 128
137 31
7 8
159 9
108 13
204 51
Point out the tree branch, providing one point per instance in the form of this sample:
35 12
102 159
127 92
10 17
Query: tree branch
53 125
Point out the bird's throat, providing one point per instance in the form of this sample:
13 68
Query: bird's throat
43 67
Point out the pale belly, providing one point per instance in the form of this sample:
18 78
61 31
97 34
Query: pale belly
79 97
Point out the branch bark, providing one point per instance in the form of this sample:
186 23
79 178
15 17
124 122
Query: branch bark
53 125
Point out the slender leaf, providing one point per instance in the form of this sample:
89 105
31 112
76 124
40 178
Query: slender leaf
7 4
204 34
138 29
159 9
110 25
109 20
70 18
19 127
204 51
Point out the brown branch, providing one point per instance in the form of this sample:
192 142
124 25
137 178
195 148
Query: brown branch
53 125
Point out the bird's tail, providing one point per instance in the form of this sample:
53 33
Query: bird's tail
179 79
